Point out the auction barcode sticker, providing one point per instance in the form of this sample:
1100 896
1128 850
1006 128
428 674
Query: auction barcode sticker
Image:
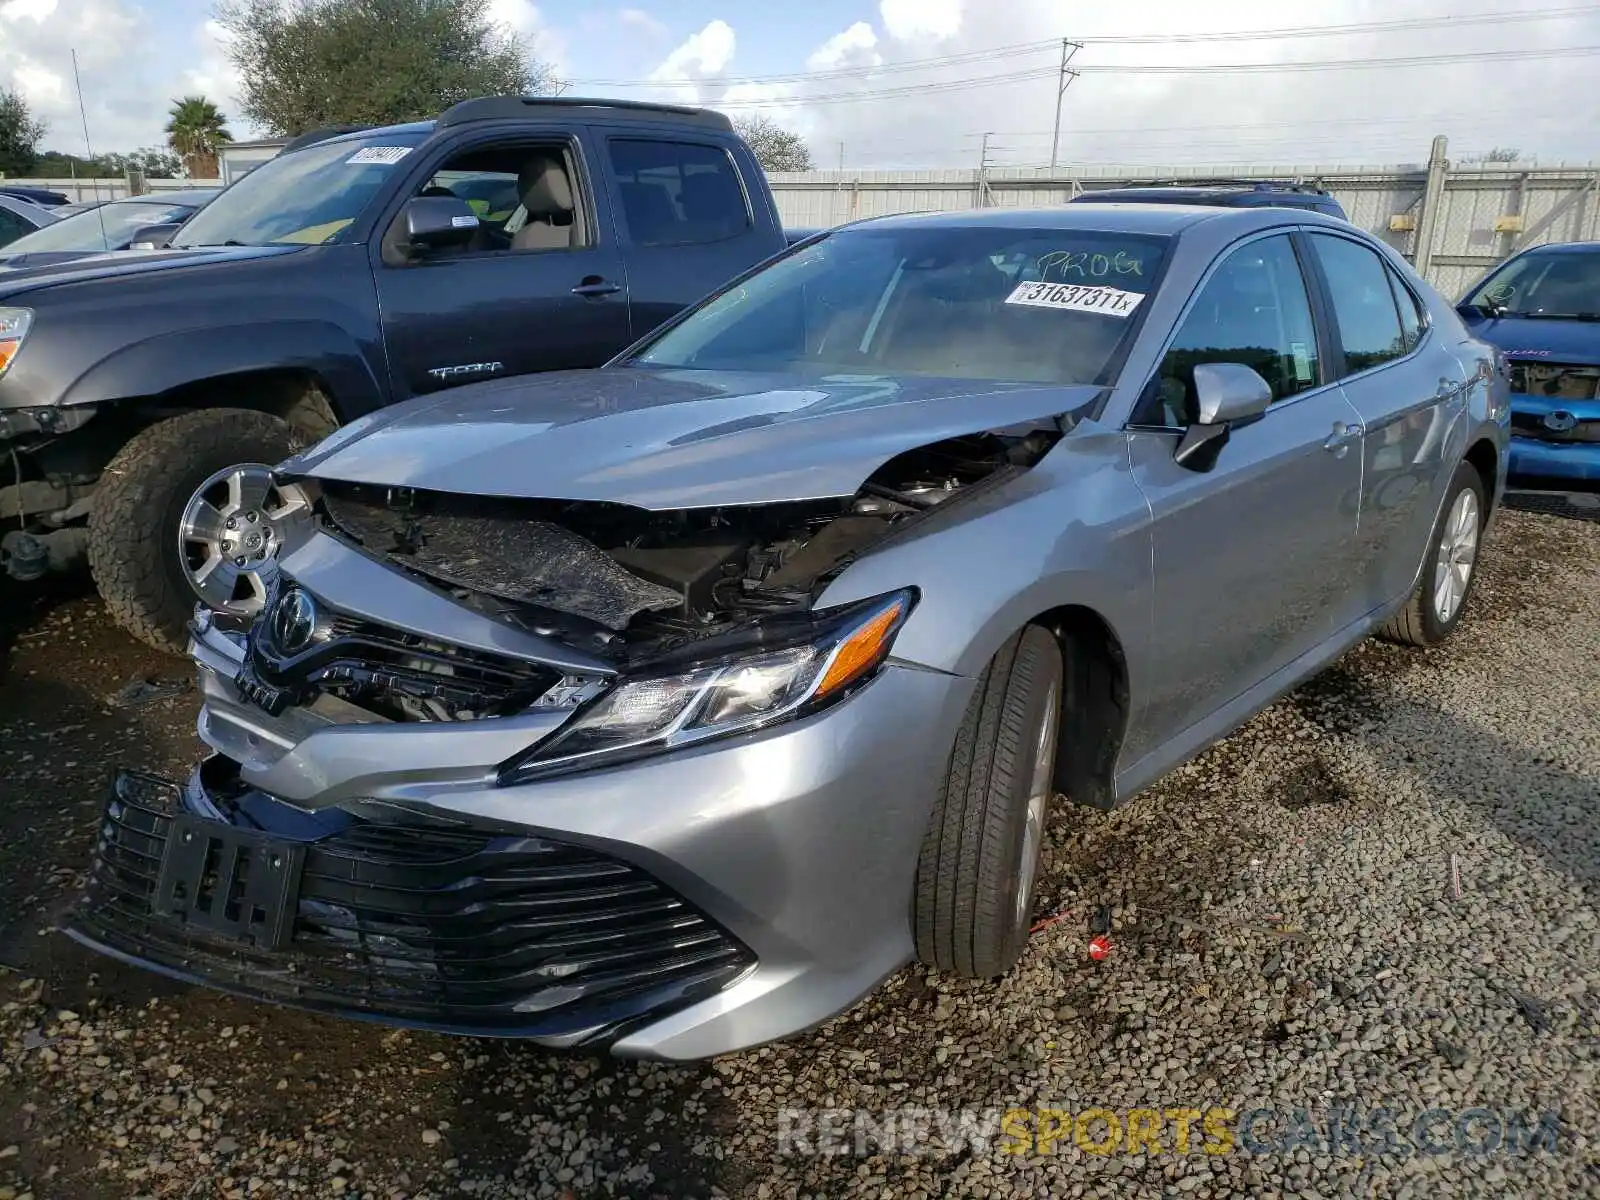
1113 302
388 155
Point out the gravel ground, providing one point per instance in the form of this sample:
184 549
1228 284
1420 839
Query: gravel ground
1286 935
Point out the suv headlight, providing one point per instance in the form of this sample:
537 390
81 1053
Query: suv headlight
14 325
737 693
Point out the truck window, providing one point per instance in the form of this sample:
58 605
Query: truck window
526 196
677 193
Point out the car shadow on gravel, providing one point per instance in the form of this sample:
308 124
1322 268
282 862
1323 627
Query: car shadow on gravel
1543 805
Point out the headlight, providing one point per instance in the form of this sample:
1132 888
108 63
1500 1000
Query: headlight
14 323
735 694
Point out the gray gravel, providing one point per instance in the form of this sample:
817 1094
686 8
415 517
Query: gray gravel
1285 936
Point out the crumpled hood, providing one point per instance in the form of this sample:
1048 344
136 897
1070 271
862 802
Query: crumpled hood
26 272
667 439
1532 340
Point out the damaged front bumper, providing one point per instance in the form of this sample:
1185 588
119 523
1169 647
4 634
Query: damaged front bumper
695 903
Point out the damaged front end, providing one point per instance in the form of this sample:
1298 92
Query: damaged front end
421 646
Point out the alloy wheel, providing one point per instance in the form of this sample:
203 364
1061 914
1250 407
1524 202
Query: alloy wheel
1040 787
1458 554
232 529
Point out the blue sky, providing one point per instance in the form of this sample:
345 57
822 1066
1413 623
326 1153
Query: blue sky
893 107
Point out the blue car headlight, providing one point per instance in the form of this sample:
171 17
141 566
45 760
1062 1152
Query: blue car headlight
734 693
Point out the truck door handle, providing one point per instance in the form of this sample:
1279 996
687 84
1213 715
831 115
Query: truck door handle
1339 440
595 286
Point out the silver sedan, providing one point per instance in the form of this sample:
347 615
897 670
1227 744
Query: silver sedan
670 707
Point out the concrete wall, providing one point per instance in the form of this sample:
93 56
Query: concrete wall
109 189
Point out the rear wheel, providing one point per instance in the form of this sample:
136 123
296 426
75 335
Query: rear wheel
1450 569
975 879
187 511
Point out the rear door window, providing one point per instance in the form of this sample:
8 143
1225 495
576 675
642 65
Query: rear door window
678 193
1363 304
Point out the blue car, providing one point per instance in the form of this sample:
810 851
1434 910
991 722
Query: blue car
1542 309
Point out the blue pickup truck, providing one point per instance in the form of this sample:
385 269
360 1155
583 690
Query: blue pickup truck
1542 309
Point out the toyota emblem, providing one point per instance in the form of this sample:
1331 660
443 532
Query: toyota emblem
294 621
1559 422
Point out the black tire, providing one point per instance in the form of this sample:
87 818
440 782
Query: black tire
139 503
965 910
1419 623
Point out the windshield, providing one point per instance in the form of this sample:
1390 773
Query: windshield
309 197
1549 285
1012 305
83 231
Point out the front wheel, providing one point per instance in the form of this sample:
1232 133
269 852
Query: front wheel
975 879
187 511
1449 570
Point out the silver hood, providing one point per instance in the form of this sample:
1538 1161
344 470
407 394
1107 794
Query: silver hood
664 440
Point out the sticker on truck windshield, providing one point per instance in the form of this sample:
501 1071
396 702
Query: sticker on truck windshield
387 155
1112 302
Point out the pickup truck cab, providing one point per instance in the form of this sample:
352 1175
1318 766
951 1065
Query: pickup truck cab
143 395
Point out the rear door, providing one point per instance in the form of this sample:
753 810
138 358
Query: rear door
688 220
1251 558
1409 389
502 306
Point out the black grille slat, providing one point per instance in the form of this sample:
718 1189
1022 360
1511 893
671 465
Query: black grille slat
430 924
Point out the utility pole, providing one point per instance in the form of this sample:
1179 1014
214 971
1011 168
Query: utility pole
841 156
983 171
1063 82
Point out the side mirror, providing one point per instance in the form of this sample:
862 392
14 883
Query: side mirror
436 222
1225 394
155 237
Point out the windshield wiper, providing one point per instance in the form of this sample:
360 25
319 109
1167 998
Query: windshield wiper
1549 316
209 245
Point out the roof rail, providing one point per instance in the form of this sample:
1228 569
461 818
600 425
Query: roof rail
312 136
493 108
1260 185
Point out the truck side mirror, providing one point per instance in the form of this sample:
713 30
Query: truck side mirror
436 222
155 237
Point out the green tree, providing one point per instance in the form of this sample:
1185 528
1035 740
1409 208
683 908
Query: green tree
197 131
311 63
20 134
775 148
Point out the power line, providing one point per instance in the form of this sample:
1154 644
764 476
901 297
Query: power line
1025 48
1347 64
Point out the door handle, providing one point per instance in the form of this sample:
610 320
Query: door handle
595 286
1339 440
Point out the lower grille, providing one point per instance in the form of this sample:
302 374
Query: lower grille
448 928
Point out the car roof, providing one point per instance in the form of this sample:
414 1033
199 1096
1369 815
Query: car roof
1564 248
175 196
1159 219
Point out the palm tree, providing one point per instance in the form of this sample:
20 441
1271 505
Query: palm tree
196 131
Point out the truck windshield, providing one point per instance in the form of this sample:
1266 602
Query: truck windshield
306 198
1051 306
1551 284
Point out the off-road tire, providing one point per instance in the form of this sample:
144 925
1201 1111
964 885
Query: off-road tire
1417 624
965 901
139 503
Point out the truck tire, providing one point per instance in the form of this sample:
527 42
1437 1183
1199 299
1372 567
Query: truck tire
1449 569
139 505
974 885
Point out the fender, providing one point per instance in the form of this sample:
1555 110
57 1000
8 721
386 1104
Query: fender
158 364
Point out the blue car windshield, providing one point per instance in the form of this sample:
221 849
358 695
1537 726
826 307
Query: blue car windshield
1047 306
1549 284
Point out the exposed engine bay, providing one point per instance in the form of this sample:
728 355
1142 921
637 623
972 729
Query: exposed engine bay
630 585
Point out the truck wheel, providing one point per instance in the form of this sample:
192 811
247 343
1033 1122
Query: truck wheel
187 511
974 888
1448 572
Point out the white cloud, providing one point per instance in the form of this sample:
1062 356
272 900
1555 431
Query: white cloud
908 20
702 56
855 47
